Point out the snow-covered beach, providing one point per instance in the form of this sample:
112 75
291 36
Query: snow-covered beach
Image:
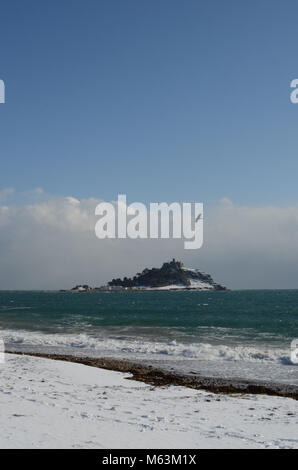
55 404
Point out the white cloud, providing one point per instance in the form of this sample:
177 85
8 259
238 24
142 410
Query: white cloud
72 200
226 201
51 244
5 193
249 247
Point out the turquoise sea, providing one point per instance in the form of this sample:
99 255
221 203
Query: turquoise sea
243 334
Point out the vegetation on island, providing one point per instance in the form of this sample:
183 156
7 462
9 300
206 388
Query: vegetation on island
171 273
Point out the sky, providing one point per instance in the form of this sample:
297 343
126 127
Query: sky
162 100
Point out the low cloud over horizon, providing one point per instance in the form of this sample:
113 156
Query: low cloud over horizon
48 242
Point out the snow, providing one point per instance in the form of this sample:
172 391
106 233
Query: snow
194 283
171 286
254 362
201 284
55 404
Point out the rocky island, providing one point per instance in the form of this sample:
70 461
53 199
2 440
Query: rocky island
172 275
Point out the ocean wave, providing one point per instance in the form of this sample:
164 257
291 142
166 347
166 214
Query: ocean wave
100 346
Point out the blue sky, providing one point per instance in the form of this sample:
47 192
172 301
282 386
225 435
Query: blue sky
161 100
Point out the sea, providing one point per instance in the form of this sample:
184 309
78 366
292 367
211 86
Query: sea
231 334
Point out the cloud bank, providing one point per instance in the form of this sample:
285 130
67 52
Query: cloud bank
49 243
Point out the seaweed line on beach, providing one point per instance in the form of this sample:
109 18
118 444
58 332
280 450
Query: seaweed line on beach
158 378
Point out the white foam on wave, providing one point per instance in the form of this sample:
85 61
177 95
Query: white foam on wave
141 348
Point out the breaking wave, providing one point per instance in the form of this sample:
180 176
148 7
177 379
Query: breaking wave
135 348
